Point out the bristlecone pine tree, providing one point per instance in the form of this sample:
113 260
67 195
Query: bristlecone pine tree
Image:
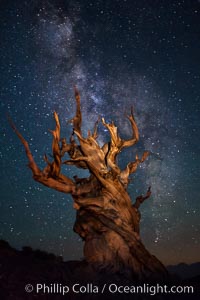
106 219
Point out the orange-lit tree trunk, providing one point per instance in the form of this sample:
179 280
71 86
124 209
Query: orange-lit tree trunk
106 220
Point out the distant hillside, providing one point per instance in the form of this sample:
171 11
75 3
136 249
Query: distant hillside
185 271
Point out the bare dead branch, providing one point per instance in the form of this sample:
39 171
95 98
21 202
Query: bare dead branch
135 135
66 186
131 168
56 164
140 199
77 119
32 165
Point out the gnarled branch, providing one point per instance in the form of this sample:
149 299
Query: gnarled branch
55 166
131 168
64 184
117 144
77 119
140 199
135 136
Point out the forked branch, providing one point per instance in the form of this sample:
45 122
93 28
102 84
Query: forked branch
63 184
131 168
117 144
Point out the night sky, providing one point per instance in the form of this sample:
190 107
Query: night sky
144 53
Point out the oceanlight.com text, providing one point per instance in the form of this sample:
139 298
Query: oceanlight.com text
111 288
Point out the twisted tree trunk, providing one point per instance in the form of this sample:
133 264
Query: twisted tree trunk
106 219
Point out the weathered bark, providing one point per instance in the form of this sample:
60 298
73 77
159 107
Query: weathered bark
106 219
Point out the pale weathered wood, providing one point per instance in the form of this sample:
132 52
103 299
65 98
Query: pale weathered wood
106 219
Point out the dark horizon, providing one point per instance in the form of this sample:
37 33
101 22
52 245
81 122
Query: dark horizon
28 249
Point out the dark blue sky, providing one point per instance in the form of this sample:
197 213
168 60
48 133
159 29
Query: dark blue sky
118 53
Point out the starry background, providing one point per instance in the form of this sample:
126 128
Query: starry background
118 53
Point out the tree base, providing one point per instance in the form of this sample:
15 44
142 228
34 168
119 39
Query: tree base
116 249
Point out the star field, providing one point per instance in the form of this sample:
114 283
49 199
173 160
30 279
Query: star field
119 54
